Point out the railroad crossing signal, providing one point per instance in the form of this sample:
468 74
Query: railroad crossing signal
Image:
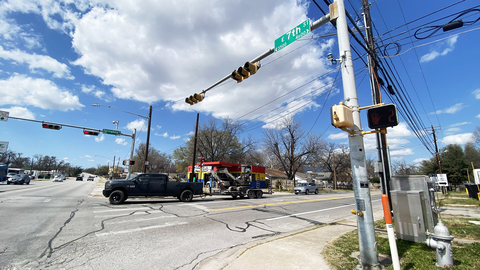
90 132
194 98
382 116
244 72
50 126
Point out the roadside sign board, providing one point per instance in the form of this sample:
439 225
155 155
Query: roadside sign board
111 132
3 147
4 115
292 35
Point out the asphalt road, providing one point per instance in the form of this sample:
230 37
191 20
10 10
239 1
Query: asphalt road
50 225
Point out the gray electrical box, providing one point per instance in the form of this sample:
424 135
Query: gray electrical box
414 207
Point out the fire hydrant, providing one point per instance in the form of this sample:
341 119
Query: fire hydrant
441 241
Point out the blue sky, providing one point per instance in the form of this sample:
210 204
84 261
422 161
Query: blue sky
59 57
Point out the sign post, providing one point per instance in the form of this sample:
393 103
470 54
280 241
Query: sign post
292 35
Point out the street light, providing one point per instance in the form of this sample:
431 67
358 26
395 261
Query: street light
116 124
148 132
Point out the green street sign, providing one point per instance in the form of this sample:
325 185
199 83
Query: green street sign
292 35
111 132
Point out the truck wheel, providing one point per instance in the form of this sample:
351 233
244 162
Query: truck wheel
186 196
259 194
234 196
117 197
242 196
251 194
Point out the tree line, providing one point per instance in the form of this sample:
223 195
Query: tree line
287 147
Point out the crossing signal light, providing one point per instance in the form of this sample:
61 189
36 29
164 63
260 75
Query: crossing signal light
244 72
194 98
90 132
382 116
50 126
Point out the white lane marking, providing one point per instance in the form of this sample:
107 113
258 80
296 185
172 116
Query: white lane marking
47 200
124 209
129 214
304 213
322 210
141 229
139 220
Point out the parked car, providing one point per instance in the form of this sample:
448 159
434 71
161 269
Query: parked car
90 178
79 178
19 179
306 188
59 178
10 175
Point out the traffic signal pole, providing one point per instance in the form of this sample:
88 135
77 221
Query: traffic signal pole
366 231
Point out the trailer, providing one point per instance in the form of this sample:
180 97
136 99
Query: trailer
236 180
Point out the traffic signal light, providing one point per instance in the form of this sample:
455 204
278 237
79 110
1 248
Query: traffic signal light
90 132
129 162
50 126
194 98
382 116
251 67
244 72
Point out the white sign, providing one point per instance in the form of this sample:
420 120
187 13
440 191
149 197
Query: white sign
4 115
3 147
440 179
204 168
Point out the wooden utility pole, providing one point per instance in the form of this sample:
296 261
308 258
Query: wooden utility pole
192 175
377 99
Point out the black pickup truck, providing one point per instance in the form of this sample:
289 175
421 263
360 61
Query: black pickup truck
151 184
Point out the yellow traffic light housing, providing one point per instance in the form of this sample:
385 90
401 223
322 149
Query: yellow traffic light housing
251 67
187 100
243 72
198 97
194 98
236 76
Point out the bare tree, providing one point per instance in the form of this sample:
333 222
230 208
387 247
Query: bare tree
290 146
218 143
335 158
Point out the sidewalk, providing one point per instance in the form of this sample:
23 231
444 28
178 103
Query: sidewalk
301 250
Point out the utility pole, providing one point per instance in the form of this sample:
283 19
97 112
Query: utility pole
148 139
436 151
366 231
192 175
334 172
131 153
377 99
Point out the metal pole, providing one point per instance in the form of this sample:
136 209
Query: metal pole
148 140
131 154
113 169
366 231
